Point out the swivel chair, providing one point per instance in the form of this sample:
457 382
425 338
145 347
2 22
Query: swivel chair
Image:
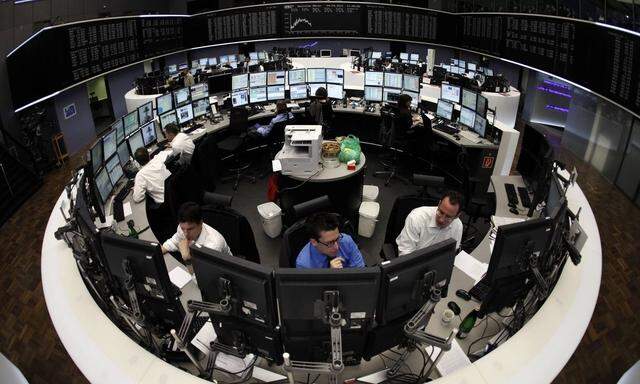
233 145
205 162
235 229
391 137
476 199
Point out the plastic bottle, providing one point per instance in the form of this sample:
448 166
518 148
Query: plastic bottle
467 324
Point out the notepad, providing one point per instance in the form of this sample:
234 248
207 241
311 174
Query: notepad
452 360
179 277
469 265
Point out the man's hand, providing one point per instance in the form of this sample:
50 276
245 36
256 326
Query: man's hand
184 249
336 263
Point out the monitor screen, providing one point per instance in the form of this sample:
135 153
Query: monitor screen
253 55
467 117
404 56
354 52
168 118
173 68
297 76
224 59
316 75
469 98
373 93
414 57
411 83
109 144
164 103
145 113
204 62
258 95
275 78
447 68
488 71
130 122
96 156
114 169
181 97
213 61
393 80
314 87
262 55
118 126
376 55
195 64
462 64
240 98
325 53
481 105
135 141
297 92
219 83
444 109
480 125
123 154
415 97
103 183
390 94
374 79
184 114
199 91
454 62
450 92
239 81
334 91
149 134
471 66
258 79
275 92
232 58
335 76
200 107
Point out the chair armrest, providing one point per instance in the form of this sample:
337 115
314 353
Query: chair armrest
388 251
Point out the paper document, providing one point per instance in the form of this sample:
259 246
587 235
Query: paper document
126 208
498 220
469 265
276 165
197 131
204 337
452 360
179 277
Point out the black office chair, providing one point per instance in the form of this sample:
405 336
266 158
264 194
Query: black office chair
217 200
235 229
232 146
205 162
274 141
392 140
181 186
432 145
476 202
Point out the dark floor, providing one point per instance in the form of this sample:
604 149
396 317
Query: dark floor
609 347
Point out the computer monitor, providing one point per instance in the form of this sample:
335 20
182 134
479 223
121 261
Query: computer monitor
444 109
258 95
376 55
96 156
164 104
450 92
239 81
481 105
232 58
181 97
393 80
195 64
275 92
123 154
109 143
240 98
103 184
298 92
114 169
480 125
297 76
203 62
258 79
390 94
200 107
414 57
213 61
173 68
404 56
325 53
199 91
316 75
469 98
415 97
135 141
118 126
411 83
375 79
532 162
335 76
354 52
145 113
184 114
130 121
145 265
224 59
253 55
462 64
149 134
314 87
219 83
334 91
193 71
488 71
262 55
471 66
447 67
168 118
299 291
275 77
373 93
467 117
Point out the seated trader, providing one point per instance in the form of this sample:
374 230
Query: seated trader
426 226
320 109
180 142
151 176
281 115
191 230
327 247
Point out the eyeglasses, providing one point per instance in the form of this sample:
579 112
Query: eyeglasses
331 243
444 216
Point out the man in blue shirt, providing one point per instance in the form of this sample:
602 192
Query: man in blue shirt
281 115
328 248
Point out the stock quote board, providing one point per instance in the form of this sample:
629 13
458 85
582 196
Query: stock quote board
600 58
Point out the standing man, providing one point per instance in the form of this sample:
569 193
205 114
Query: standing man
189 80
151 176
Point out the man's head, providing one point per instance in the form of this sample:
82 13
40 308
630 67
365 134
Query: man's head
324 233
448 208
142 156
184 72
281 106
171 130
321 93
404 101
190 219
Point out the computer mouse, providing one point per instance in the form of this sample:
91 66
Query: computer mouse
514 211
464 295
457 137
454 307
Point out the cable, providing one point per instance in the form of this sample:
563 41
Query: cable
304 182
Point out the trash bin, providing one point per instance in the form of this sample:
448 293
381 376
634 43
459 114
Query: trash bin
370 193
369 211
271 216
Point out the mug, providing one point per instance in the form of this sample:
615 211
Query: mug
447 316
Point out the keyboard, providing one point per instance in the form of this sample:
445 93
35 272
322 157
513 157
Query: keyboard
446 129
471 136
524 197
480 290
512 195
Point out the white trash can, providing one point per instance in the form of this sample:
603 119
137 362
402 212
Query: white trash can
271 216
369 211
370 193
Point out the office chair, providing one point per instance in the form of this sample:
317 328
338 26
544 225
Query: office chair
233 145
476 199
274 140
181 186
235 229
205 162
432 145
391 137
216 199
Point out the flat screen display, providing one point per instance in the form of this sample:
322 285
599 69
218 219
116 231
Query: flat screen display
168 118
411 83
181 97
149 134
123 154
444 109
480 125
469 99
275 92
415 57
393 80
103 184
481 105
334 91
130 121
173 68
253 55
467 117
390 94
374 79
145 113
314 87
114 169
297 92
415 97
184 114
373 93
109 143
200 107
335 76
204 62
240 98
199 91
404 56
96 156
239 81
118 126
258 79
471 66
297 76
316 75
258 95
450 93
275 78
376 55
164 103
135 141
213 61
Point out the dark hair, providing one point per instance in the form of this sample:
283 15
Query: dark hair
141 155
281 106
404 100
189 212
455 198
172 129
321 92
320 222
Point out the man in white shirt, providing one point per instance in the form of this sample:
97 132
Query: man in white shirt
425 226
151 176
191 230
180 142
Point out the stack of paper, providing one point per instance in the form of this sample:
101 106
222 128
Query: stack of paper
469 265
452 360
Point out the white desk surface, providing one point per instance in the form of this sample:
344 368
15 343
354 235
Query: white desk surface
332 174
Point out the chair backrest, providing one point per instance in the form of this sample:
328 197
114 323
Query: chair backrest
238 120
428 128
402 206
387 126
293 240
182 186
205 162
235 229
277 131
304 209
